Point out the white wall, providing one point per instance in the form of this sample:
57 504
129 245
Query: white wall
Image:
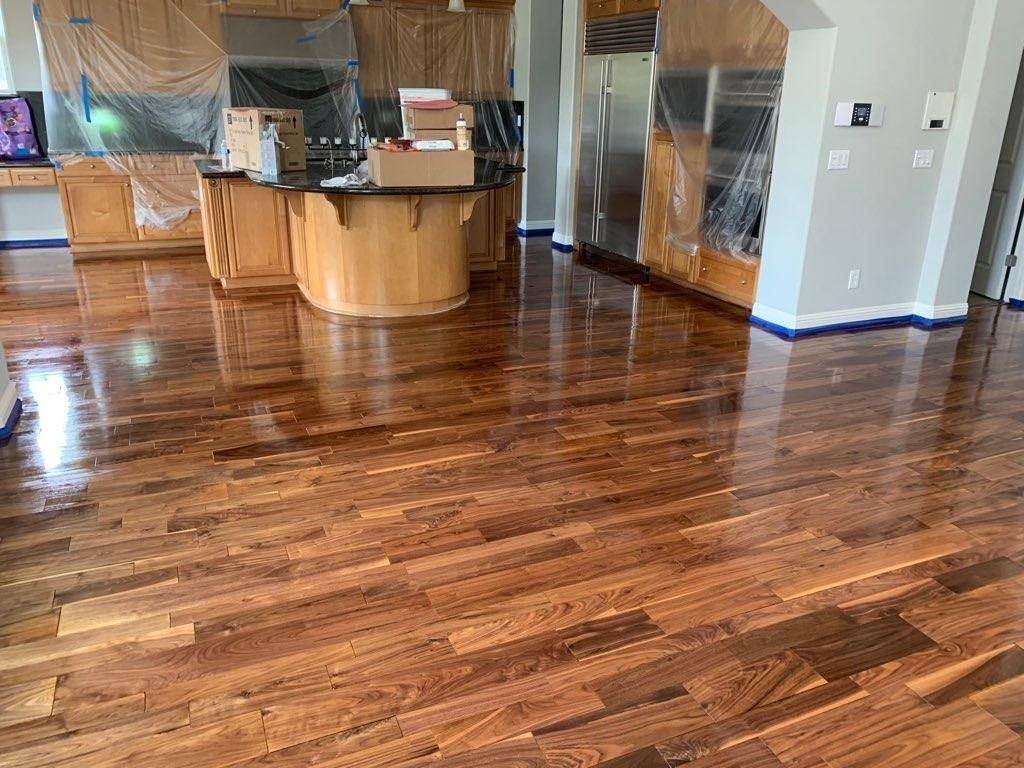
26 214
569 105
882 216
538 57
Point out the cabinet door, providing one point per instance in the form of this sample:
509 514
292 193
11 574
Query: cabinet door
98 210
312 9
255 7
658 185
257 230
412 46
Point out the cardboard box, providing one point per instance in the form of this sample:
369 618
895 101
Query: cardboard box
439 119
428 134
420 169
242 130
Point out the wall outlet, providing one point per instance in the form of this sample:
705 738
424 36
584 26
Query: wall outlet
839 159
924 158
854 282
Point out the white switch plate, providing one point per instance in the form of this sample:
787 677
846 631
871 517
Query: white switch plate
924 158
854 283
839 159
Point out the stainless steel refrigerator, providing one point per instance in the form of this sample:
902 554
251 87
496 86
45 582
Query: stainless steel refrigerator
618 91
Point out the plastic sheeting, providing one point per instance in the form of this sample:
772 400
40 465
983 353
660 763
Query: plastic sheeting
134 77
470 54
137 77
719 80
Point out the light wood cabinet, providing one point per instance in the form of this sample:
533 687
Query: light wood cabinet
636 6
701 268
597 9
257 230
255 7
312 9
98 210
5 178
33 177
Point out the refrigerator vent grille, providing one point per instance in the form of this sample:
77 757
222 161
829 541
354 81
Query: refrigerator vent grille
636 33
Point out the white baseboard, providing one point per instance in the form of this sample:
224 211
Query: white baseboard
561 239
537 224
858 315
942 312
7 399
33 234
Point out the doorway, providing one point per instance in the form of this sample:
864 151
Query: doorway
1006 205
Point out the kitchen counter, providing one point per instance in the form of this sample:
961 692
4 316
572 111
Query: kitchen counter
488 175
365 251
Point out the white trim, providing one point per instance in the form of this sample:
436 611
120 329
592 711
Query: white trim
7 399
33 234
943 312
860 315
537 224
561 239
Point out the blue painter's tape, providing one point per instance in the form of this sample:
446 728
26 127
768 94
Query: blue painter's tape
792 334
86 106
94 153
512 78
36 13
535 232
344 5
1016 303
12 421
306 38
564 248
10 245
80 20
353 62
359 97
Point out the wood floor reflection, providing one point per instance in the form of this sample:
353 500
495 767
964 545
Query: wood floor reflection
574 523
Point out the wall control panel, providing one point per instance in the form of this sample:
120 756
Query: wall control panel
859 114
938 110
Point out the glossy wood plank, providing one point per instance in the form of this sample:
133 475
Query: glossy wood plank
572 523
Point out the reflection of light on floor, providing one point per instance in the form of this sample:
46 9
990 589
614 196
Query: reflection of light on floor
51 396
143 355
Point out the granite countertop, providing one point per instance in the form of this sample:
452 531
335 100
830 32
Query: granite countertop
29 162
489 175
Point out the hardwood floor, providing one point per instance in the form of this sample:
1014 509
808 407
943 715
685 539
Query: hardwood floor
572 524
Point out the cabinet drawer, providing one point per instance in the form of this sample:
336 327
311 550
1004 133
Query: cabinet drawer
728 277
33 177
191 227
597 9
87 166
635 6
5 178
153 163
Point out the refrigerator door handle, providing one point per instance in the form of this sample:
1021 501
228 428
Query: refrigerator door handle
602 143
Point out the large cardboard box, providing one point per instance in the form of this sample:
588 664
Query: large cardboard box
244 126
439 119
420 169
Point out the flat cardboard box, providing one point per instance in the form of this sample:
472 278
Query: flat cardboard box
420 169
243 127
439 119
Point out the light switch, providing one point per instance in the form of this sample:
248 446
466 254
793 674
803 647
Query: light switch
924 158
839 159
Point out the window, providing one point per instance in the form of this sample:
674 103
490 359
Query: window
6 86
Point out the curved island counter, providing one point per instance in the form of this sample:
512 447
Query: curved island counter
365 251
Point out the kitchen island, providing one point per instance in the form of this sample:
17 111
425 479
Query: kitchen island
366 251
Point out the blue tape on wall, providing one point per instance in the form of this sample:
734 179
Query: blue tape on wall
36 14
86 106
306 38
80 20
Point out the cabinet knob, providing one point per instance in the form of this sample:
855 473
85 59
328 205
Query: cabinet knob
703 269
743 282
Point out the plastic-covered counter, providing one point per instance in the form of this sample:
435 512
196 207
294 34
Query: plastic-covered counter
365 250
